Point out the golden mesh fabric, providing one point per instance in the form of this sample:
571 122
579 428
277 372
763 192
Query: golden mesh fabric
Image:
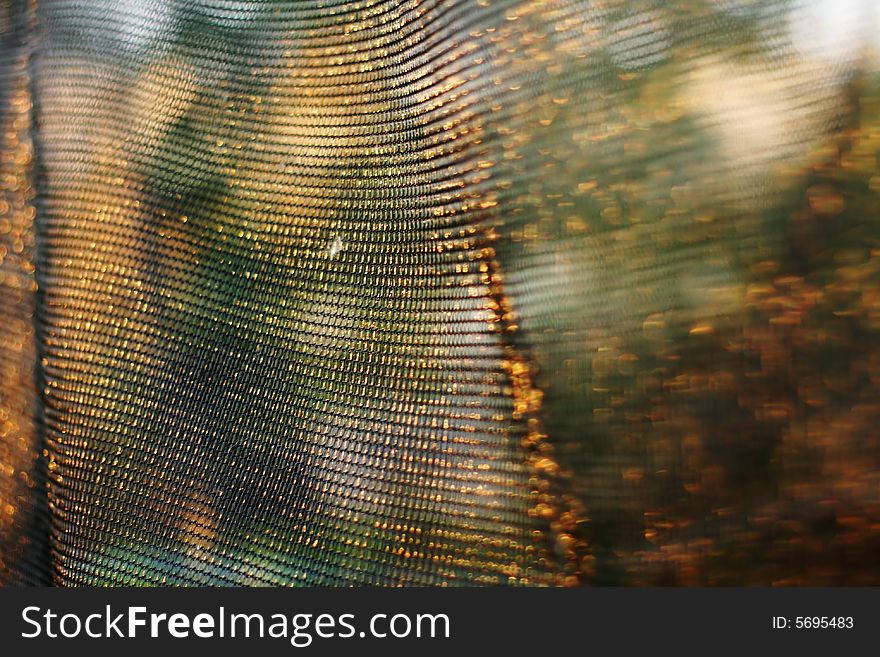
462 292
24 557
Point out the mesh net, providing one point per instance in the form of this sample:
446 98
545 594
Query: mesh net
439 293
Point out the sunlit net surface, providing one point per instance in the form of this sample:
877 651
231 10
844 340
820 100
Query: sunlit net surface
439 293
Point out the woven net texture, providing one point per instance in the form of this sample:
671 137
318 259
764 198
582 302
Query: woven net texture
439 293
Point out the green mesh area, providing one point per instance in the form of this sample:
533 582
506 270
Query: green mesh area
438 293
